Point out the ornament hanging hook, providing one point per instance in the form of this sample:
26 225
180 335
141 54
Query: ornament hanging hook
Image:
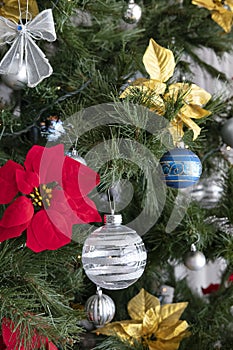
27 13
111 202
193 245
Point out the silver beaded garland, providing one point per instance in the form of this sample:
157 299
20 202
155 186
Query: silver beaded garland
100 308
194 260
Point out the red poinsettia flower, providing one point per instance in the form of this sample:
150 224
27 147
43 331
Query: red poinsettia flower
47 196
11 340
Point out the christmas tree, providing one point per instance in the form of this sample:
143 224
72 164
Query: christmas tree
116 110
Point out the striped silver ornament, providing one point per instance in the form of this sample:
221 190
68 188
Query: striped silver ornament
114 255
100 308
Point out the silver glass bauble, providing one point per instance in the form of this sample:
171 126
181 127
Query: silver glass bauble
74 154
132 13
227 132
208 191
100 308
194 260
114 256
16 81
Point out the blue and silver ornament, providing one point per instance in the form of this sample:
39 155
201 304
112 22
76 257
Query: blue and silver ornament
181 168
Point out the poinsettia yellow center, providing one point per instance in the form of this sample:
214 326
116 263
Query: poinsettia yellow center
42 196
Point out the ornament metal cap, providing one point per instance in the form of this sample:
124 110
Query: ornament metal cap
112 219
193 248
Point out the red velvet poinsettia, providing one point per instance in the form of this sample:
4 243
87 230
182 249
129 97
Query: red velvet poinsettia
46 197
11 340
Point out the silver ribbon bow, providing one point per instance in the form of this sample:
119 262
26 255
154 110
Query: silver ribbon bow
24 50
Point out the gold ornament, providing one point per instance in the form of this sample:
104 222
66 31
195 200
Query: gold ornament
221 11
160 64
10 9
156 326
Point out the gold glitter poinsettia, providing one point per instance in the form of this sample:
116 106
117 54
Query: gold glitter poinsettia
221 11
157 326
160 64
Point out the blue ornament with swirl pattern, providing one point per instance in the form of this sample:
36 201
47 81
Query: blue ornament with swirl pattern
181 168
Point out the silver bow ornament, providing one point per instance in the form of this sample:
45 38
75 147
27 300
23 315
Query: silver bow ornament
23 48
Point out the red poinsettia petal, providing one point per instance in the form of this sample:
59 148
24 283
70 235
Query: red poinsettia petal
8 183
36 341
46 162
50 345
210 289
10 335
12 232
33 157
12 339
85 210
18 213
51 164
78 179
26 181
230 279
75 211
42 234
59 203
2 344
16 218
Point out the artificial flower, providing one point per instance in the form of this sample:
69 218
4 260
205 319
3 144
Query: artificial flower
160 64
11 339
10 9
157 326
46 197
193 98
221 11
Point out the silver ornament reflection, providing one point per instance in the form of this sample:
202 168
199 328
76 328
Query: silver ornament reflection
100 308
132 14
194 260
16 81
209 190
227 132
74 154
